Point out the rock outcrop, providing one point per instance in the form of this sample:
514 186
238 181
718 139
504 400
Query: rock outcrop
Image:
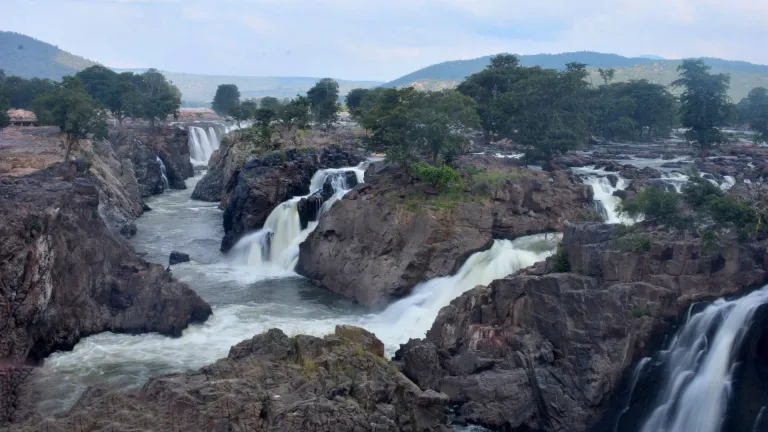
386 236
264 182
143 146
271 383
64 275
539 351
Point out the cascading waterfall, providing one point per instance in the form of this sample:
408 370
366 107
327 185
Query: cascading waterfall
603 191
277 243
699 364
163 173
415 314
200 146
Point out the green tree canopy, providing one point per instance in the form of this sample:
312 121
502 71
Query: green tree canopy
355 99
633 110
294 115
323 100
161 98
73 110
22 92
270 102
227 96
704 103
754 110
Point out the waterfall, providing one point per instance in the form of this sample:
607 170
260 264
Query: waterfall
163 173
277 243
603 191
415 314
676 179
699 364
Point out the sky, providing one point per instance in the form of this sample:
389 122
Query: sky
380 39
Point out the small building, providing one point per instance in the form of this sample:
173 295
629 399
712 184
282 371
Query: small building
21 117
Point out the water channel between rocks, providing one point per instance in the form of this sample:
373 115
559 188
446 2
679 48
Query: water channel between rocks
248 299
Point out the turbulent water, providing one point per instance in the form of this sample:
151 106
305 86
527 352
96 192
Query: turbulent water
249 296
204 141
603 192
698 367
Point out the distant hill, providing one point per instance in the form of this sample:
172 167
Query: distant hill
28 57
744 76
198 90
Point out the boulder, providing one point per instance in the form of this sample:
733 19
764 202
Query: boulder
64 275
548 351
271 383
178 258
385 237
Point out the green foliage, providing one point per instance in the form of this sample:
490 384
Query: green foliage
269 102
657 205
227 96
4 103
638 243
294 115
606 74
359 351
438 176
704 103
323 101
354 100
310 367
754 110
633 110
21 92
560 261
406 124
74 112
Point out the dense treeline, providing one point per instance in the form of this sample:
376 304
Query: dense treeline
79 105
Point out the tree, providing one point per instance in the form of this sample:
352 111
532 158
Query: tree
160 98
227 96
73 110
756 113
323 98
21 92
99 82
354 100
240 113
704 104
487 87
270 102
546 112
5 120
118 92
606 74
264 125
294 115
632 110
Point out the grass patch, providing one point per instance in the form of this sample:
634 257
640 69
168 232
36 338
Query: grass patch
638 243
639 312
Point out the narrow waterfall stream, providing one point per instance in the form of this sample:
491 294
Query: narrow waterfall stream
250 293
697 370
603 190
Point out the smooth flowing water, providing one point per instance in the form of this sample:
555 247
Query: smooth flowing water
699 364
250 296
603 191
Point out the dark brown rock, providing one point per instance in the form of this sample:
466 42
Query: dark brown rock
64 275
546 352
383 238
270 383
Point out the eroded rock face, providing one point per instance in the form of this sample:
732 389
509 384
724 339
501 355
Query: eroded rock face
143 146
267 181
545 352
376 244
272 383
64 275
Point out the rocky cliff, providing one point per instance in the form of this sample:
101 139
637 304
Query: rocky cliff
266 181
65 275
143 146
271 383
388 235
541 351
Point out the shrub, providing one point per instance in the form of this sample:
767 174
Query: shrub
656 205
638 243
638 312
438 176
561 262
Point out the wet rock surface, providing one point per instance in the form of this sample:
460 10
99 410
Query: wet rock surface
144 145
178 258
544 351
271 383
384 237
268 180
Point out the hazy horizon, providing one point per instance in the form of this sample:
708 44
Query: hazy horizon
378 41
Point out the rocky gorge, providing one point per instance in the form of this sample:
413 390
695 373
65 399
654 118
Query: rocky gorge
535 347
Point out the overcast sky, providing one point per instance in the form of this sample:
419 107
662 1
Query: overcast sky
380 39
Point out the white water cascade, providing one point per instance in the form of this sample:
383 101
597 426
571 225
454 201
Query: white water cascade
699 365
204 141
603 191
415 314
276 245
163 173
